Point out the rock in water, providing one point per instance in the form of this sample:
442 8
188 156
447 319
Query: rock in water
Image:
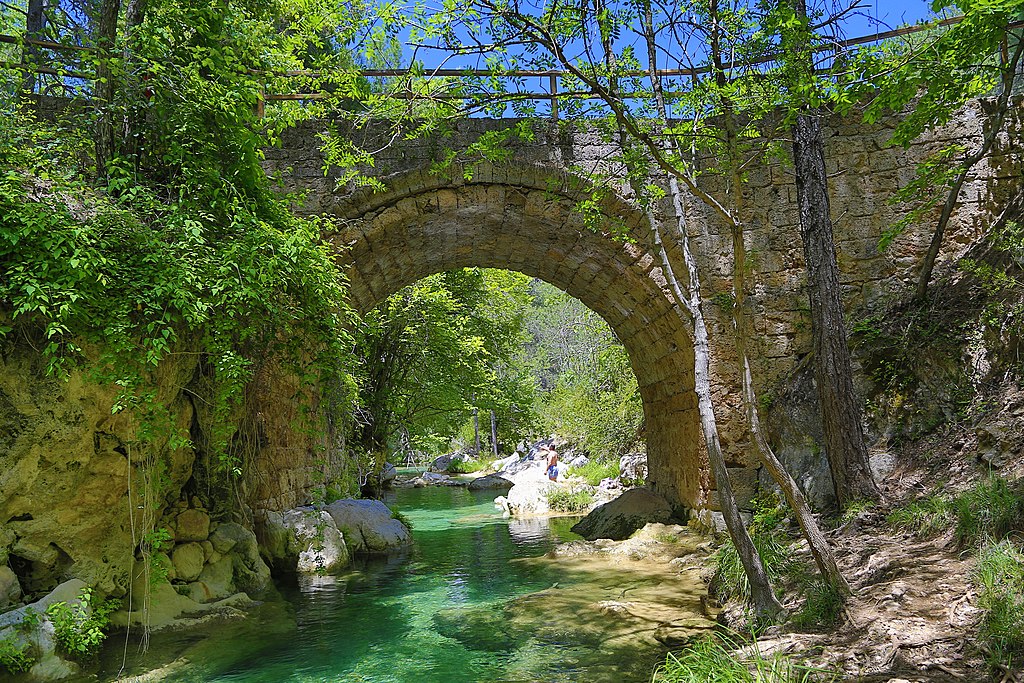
619 518
368 526
315 541
491 481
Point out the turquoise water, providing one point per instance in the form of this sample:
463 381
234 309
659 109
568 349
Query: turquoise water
449 610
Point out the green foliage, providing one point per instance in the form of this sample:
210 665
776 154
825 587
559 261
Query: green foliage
999 577
713 659
925 517
15 658
79 627
467 466
990 510
954 65
570 500
184 250
589 392
437 349
396 514
823 606
769 538
594 471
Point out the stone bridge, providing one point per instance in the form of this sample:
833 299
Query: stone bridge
519 215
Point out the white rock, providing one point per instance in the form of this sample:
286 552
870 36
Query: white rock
368 526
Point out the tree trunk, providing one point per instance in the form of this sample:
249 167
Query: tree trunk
35 23
476 427
766 605
134 13
106 37
833 372
494 434
824 558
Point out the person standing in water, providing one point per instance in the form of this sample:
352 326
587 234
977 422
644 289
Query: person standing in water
552 463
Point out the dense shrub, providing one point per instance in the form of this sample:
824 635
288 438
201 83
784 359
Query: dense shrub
562 499
595 471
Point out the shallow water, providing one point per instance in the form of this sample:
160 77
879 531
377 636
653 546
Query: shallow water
470 602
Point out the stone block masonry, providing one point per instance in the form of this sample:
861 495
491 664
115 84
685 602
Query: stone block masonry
521 215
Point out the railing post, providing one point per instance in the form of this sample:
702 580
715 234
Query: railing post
553 87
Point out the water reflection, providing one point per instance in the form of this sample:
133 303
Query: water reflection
471 602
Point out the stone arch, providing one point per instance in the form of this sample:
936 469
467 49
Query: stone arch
522 218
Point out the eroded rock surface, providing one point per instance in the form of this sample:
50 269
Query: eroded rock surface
619 518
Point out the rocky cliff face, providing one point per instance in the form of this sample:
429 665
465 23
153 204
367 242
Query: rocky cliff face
70 474
82 493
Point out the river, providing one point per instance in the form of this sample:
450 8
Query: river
474 600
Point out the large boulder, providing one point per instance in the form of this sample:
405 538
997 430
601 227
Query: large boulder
529 496
491 481
619 518
368 526
192 525
443 462
188 560
251 573
314 541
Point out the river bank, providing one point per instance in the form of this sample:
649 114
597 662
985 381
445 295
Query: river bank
476 598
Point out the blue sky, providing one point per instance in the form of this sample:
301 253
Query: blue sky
890 12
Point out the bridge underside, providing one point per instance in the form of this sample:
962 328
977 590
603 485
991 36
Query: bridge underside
427 224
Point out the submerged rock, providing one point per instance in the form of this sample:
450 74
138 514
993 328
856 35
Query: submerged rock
368 526
619 518
482 628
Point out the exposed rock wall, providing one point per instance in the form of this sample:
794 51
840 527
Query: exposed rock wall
78 491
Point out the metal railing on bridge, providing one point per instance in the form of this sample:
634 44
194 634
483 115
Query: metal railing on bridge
552 77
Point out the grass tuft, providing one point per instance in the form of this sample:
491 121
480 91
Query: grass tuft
466 466
999 577
925 517
713 660
823 607
594 471
772 545
991 510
